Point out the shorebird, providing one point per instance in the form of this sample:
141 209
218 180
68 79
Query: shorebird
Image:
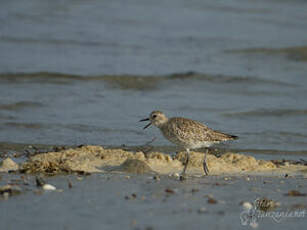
187 134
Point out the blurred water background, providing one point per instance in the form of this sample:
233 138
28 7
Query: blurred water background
84 72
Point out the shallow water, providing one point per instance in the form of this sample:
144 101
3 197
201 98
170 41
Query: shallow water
75 72
139 202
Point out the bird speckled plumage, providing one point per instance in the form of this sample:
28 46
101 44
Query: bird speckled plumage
187 133
191 134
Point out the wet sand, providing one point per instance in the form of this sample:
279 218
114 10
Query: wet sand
113 201
139 189
92 159
296 53
55 160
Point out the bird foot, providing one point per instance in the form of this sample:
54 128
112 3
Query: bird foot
205 175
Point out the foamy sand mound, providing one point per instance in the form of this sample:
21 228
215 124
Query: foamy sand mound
91 159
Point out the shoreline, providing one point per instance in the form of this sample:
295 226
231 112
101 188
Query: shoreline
20 147
145 159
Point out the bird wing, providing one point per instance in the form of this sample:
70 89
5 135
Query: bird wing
190 129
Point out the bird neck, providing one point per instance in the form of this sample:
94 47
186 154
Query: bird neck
162 124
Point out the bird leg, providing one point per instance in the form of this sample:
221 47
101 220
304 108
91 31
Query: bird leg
205 166
186 163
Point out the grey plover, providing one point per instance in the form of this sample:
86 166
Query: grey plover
187 134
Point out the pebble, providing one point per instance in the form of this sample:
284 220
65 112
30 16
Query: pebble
69 184
174 175
9 190
171 191
133 222
49 187
6 196
254 224
295 193
131 197
194 190
157 178
8 165
202 210
247 205
211 201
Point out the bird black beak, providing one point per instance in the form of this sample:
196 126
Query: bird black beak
146 119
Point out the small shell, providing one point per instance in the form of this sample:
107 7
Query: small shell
174 175
202 210
254 224
49 187
247 205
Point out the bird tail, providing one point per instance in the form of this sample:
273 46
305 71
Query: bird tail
229 136
219 136
233 137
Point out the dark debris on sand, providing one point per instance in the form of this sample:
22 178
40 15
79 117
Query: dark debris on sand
7 191
284 162
295 193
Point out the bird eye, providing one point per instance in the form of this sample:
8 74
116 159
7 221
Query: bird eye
154 116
